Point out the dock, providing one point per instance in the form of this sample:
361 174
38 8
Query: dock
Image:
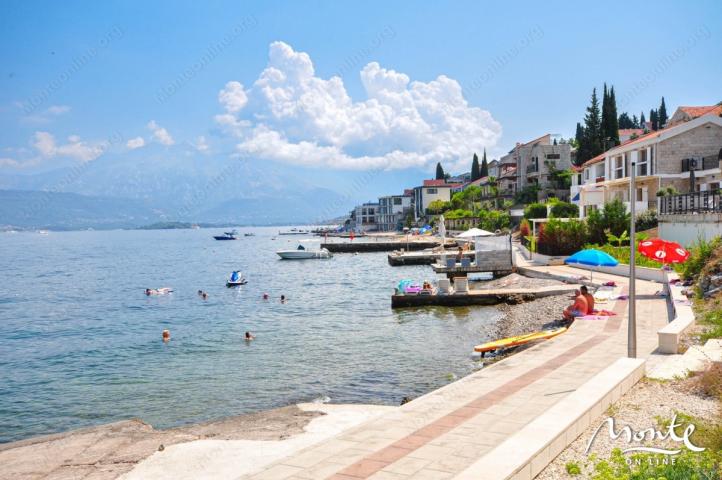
497 262
423 257
353 247
479 297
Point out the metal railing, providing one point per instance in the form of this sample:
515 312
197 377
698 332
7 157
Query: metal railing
690 203
531 168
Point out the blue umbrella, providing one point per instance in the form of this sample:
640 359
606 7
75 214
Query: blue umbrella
593 258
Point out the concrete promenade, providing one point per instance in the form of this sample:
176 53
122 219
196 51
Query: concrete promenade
463 428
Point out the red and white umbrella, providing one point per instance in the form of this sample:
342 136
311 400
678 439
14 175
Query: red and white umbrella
663 251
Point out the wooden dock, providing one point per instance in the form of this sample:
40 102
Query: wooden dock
360 247
480 297
423 257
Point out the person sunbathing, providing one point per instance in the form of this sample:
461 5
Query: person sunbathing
578 308
589 298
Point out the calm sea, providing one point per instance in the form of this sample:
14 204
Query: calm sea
80 343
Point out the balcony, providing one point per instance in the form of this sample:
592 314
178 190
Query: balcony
705 163
532 168
691 203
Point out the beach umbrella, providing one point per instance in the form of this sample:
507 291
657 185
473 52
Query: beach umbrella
663 251
474 232
592 258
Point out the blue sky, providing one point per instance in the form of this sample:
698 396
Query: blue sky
524 69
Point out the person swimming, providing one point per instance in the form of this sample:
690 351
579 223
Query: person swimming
249 336
200 293
166 336
283 299
265 296
204 295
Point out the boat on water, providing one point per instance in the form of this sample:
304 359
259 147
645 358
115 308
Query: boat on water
227 236
249 234
518 340
303 252
236 279
295 231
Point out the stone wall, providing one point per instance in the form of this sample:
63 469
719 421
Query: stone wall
702 141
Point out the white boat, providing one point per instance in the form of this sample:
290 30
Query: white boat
303 252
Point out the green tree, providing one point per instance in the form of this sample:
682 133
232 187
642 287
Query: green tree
613 127
582 155
484 167
438 206
440 175
662 115
654 118
475 173
625 122
609 136
592 129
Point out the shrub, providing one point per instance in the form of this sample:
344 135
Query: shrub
535 210
596 227
492 220
438 206
700 252
524 228
527 194
616 218
646 220
687 465
561 238
564 210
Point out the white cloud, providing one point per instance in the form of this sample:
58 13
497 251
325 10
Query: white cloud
160 134
233 97
202 144
46 115
9 162
76 149
289 114
134 143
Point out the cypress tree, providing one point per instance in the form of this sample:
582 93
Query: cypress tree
605 126
439 172
579 140
592 129
475 173
662 115
484 166
613 126
625 122
642 121
635 122
654 119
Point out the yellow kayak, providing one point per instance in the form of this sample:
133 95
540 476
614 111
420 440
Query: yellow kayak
518 340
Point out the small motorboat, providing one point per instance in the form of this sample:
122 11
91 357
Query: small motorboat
303 253
295 231
236 279
227 236
249 234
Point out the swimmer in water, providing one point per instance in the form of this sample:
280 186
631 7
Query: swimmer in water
249 337
283 299
166 336
204 295
265 296
200 293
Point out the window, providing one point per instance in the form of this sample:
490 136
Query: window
642 162
398 201
618 167
640 195
586 174
432 191
553 156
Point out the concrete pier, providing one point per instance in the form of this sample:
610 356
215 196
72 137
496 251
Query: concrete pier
478 297
360 247
398 258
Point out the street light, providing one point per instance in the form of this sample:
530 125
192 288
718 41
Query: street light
632 322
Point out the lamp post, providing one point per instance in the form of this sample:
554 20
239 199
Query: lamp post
632 321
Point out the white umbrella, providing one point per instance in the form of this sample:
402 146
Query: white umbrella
474 232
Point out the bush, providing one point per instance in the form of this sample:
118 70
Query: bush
561 238
492 220
535 210
564 210
687 465
699 253
528 194
616 218
646 220
524 228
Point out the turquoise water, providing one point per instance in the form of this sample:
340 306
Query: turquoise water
80 343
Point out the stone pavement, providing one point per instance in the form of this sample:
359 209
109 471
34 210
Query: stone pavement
439 435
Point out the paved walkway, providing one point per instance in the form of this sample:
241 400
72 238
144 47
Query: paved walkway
440 434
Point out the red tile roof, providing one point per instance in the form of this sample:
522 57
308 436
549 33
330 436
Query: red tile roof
695 112
623 132
594 160
438 183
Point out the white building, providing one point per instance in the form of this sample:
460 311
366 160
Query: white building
430 191
685 156
365 216
392 211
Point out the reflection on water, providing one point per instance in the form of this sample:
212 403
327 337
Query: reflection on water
80 343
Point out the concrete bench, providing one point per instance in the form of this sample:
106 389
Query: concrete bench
669 335
527 452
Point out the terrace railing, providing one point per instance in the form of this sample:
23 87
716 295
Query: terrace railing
691 203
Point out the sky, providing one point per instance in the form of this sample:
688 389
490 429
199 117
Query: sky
334 88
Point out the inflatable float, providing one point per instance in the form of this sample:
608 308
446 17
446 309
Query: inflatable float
518 340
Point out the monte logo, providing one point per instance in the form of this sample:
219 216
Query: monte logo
636 439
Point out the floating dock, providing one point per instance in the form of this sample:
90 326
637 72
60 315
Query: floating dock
399 258
480 297
352 247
